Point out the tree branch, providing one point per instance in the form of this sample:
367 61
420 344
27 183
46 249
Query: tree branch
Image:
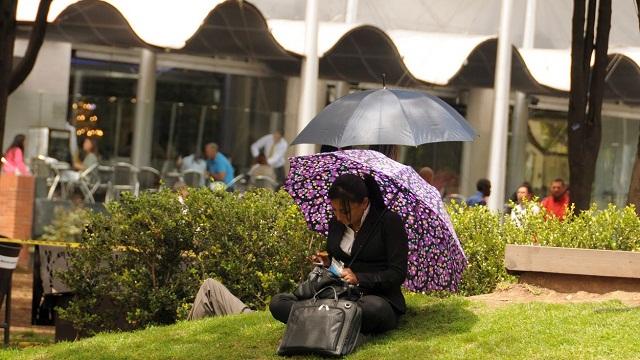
36 39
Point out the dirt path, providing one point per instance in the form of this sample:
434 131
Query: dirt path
524 293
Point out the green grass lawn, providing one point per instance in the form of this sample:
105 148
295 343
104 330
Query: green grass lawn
451 328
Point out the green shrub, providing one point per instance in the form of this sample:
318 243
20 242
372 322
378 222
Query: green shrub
484 234
256 243
483 240
67 225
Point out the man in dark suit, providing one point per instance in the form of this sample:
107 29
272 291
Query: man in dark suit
373 242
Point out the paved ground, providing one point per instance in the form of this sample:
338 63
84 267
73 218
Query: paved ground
21 311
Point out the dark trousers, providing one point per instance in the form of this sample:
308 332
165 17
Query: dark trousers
377 314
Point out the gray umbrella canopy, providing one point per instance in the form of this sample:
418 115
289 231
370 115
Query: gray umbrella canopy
385 116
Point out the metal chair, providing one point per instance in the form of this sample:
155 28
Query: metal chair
57 169
239 183
87 182
149 179
171 179
124 178
193 178
263 182
105 175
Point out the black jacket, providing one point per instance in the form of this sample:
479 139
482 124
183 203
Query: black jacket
381 265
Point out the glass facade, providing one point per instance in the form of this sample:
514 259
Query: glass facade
192 108
547 155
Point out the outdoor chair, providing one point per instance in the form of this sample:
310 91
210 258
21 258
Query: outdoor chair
239 183
124 178
149 179
263 182
57 170
88 182
193 178
103 186
171 179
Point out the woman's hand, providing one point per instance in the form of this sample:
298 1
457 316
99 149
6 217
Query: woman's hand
349 276
321 257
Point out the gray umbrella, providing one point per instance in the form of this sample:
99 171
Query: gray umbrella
384 116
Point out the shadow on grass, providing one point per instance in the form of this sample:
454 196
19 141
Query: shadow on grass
437 318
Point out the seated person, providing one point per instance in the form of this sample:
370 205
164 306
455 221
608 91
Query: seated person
194 162
380 267
218 166
90 158
261 168
214 299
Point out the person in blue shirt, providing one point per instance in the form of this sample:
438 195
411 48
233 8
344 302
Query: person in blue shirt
480 197
218 166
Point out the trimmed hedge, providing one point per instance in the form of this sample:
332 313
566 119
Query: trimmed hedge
484 234
256 243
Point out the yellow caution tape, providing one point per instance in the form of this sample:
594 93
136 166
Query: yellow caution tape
41 242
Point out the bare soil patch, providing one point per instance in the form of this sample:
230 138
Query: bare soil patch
525 293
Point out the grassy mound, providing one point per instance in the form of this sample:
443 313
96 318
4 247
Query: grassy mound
451 328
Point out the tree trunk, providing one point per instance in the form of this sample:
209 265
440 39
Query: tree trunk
587 87
8 10
634 186
20 73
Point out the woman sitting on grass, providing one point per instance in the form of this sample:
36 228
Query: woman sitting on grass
362 225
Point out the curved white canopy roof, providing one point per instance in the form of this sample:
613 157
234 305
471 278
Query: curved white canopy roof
432 58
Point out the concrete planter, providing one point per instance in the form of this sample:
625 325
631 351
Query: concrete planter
570 270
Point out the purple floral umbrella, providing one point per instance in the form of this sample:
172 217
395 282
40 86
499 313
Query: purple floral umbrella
436 259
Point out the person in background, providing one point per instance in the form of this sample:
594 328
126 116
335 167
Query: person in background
13 159
261 168
524 195
480 197
274 147
218 166
90 155
427 174
558 201
194 162
214 299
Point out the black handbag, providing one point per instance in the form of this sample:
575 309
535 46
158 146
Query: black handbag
322 326
318 279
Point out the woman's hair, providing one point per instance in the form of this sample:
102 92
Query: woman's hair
351 187
528 186
94 144
261 159
18 141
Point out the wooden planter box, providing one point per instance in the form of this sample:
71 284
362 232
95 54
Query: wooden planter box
570 270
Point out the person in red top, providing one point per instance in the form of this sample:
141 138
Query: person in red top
13 160
558 201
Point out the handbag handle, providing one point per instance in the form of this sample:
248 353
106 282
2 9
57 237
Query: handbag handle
335 293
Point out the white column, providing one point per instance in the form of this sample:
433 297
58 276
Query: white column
475 161
309 74
518 146
498 154
145 102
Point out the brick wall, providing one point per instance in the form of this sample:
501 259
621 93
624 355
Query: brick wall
16 209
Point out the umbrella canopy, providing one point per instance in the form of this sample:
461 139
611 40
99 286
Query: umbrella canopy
391 117
436 259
